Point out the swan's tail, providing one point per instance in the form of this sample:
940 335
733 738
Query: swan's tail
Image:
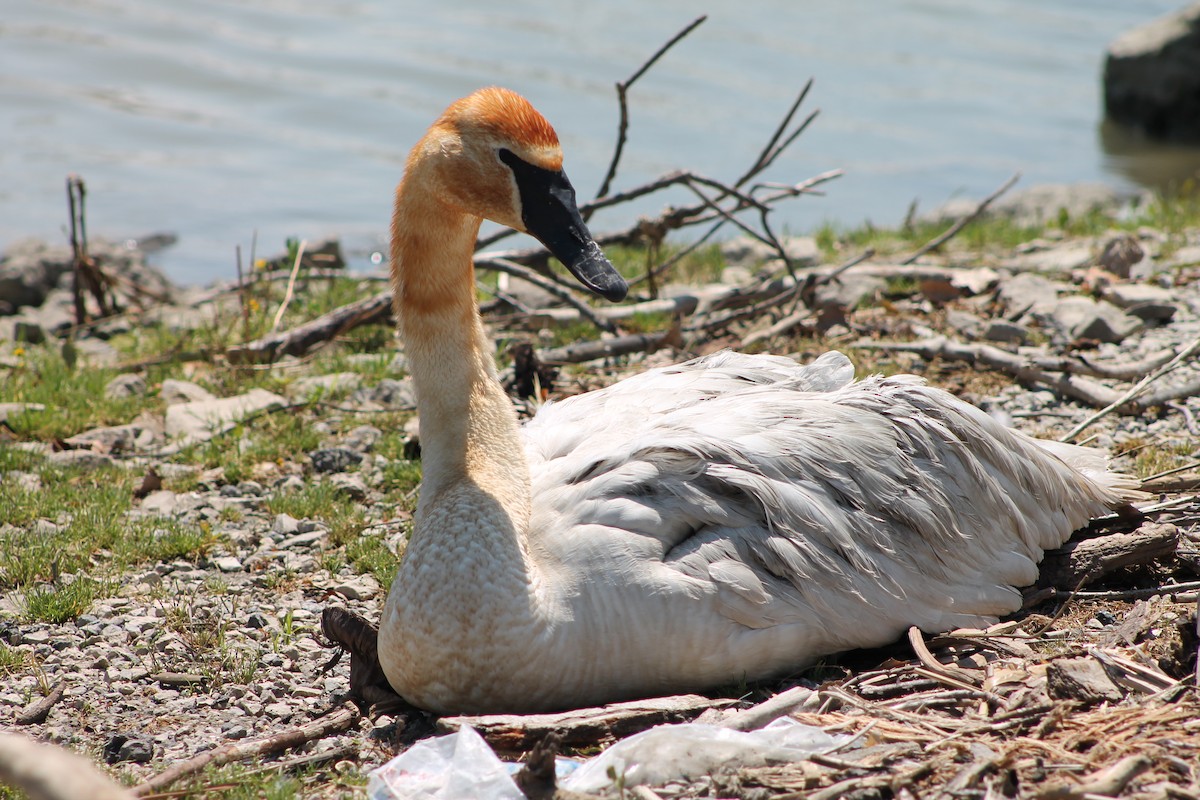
1093 465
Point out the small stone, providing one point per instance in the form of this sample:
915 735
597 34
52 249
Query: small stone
285 524
999 330
292 483
176 391
125 747
302 540
1082 679
80 459
278 710
128 385
14 409
309 525
334 459
351 485
227 564
363 438
35 637
361 588
257 621
229 490
1121 253
337 383
161 503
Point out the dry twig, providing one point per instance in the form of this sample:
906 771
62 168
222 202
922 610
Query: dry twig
340 719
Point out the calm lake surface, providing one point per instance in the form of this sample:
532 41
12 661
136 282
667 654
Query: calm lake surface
214 119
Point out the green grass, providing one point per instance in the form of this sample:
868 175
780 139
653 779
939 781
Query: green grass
74 399
11 661
58 604
84 526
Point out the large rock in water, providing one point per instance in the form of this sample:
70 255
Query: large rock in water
1152 77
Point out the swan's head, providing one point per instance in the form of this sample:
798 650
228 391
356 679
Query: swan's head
492 155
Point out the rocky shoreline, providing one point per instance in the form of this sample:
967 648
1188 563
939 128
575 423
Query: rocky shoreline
183 655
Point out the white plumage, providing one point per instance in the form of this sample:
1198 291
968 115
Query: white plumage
731 518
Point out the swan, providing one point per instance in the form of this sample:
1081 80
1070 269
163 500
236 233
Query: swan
727 519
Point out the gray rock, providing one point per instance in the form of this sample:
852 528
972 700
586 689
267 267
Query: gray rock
1186 256
292 483
337 382
361 587
967 324
30 270
749 252
1084 318
1038 204
302 540
1082 679
126 747
81 459
1150 303
15 409
200 420
1120 254
28 332
363 438
1027 293
351 485
388 393
129 384
1056 259
1152 77
334 459
848 290
176 391
117 439
227 564
1000 330
285 524
161 503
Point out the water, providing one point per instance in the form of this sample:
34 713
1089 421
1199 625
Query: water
218 118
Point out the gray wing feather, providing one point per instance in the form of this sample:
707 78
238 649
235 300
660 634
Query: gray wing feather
796 491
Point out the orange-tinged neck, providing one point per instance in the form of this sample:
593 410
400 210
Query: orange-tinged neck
468 426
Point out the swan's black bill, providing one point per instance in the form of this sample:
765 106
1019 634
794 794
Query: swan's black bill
550 214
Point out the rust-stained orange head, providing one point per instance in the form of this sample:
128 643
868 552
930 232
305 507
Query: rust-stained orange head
458 159
506 118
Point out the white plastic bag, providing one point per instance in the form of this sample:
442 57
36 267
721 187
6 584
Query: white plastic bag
672 752
459 766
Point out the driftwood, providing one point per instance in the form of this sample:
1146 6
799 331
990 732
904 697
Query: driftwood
299 340
766 712
608 348
36 713
586 726
1091 559
340 719
47 772
1029 371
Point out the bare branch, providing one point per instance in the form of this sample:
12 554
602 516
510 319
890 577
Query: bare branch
623 125
953 230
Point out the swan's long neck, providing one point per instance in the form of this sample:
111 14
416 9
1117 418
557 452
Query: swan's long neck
469 435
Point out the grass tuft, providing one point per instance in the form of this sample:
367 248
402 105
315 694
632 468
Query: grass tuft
58 604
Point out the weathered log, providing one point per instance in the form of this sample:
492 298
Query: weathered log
512 733
1091 559
301 339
